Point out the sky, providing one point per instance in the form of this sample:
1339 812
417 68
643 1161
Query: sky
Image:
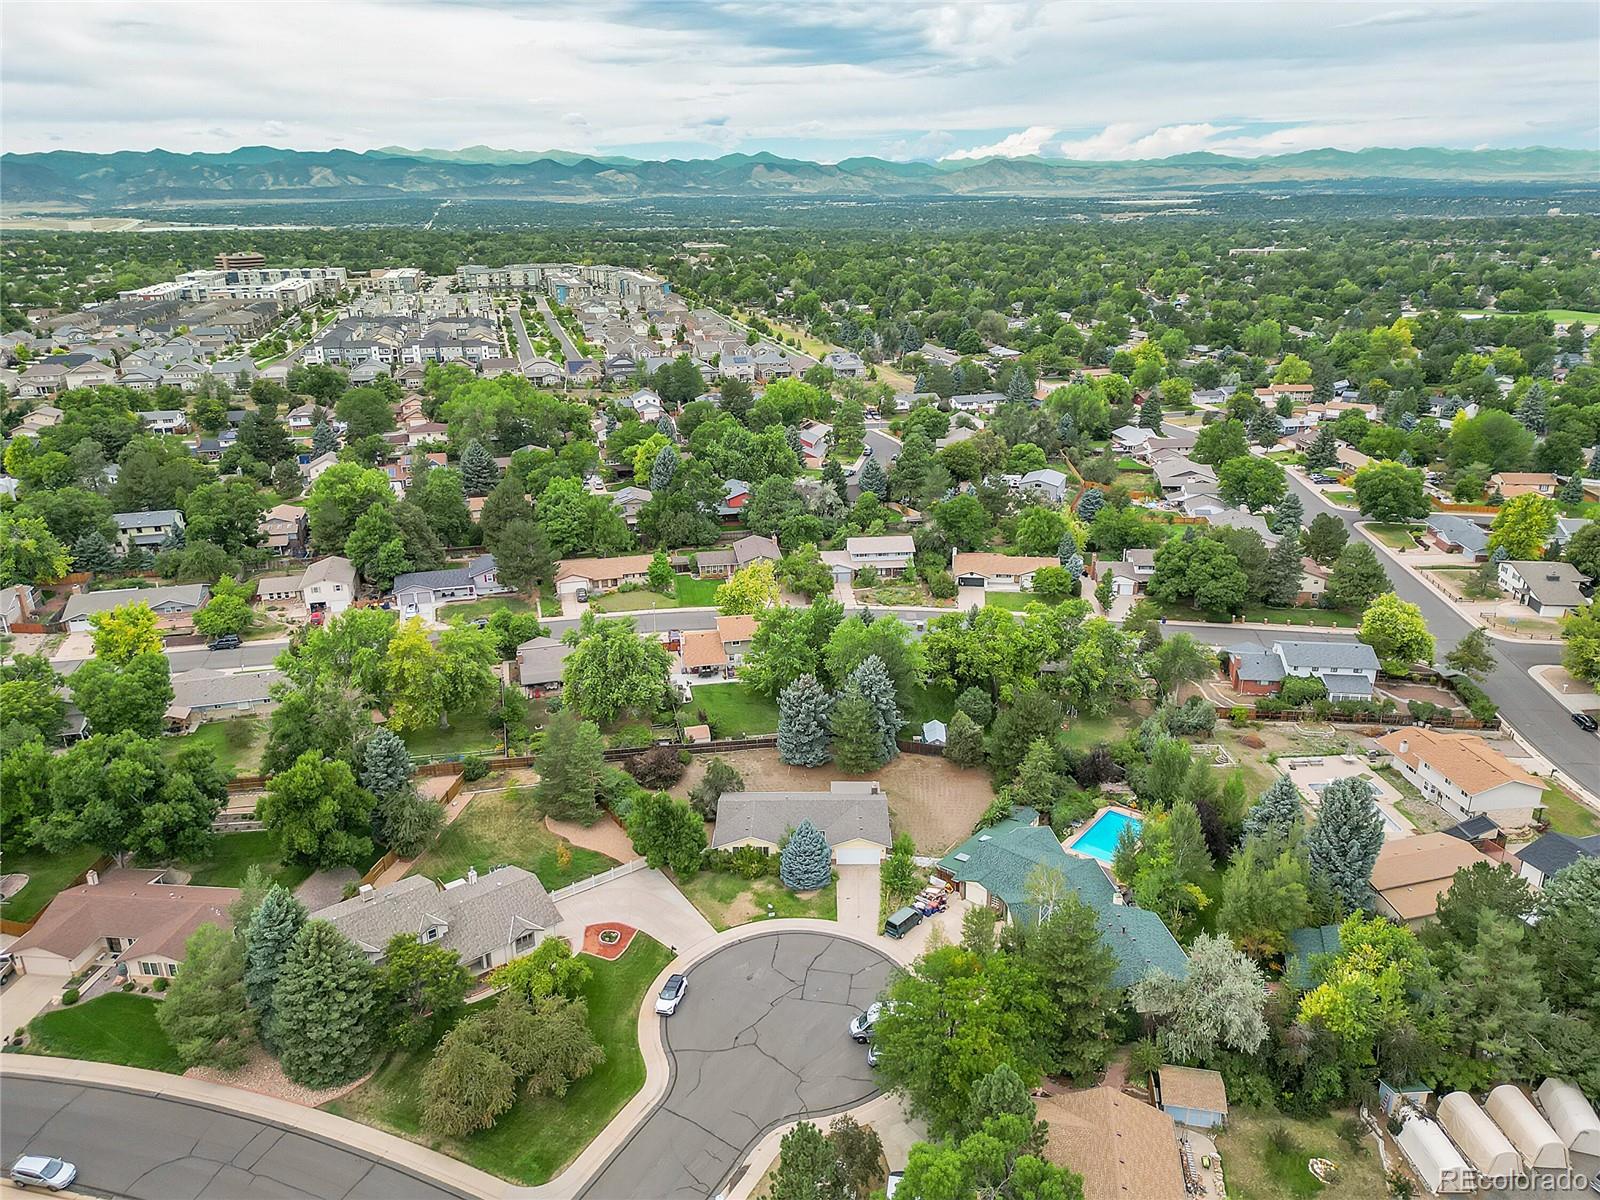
824 80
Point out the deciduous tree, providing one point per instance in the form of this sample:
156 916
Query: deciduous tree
317 813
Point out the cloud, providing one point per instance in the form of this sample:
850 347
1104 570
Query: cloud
1123 140
1030 141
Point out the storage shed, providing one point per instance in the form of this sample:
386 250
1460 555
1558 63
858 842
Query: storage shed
1479 1138
1529 1132
1570 1115
1437 1162
1191 1096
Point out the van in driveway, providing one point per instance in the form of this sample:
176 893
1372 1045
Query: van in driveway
901 922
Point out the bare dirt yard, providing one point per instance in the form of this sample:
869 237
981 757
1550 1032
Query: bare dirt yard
936 803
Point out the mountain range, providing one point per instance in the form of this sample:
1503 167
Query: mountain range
132 179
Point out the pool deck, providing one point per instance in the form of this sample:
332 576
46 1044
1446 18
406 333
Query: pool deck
1132 814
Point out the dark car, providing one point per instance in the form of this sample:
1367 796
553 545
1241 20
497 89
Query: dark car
226 641
1585 721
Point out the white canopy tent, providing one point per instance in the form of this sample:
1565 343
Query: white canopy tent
1436 1161
1529 1132
1485 1147
1570 1115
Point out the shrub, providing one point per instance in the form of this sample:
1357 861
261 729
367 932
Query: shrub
941 586
1423 710
1474 697
70 996
129 986
1298 692
1282 1141
867 577
160 985
657 768
1239 714
474 767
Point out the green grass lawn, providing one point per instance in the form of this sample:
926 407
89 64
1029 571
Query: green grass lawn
467 733
1342 499
695 593
1255 1169
1323 617
1085 732
456 614
930 702
505 828
236 853
1015 601
1397 537
1567 814
117 1028
733 709
688 592
235 744
726 899
540 1135
47 874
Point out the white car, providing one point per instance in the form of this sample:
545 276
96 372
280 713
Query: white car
861 1025
671 995
53 1174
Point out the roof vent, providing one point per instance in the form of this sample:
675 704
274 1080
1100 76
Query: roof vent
984 838
963 857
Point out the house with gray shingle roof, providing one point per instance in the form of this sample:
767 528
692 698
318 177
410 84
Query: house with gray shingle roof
853 817
422 591
1457 535
488 919
1349 670
993 867
174 600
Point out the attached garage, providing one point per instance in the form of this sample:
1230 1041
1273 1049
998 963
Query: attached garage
857 852
1479 1138
1529 1132
1437 1163
1570 1115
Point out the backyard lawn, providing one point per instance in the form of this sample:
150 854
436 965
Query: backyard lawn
1396 537
726 899
467 733
47 874
1567 814
930 702
506 828
539 1135
117 1028
1085 733
1326 618
1261 1163
236 744
733 709
236 853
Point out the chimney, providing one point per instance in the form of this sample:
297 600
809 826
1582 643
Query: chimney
472 874
92 878
1405 744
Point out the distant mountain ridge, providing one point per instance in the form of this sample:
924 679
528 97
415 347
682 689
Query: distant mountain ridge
150 178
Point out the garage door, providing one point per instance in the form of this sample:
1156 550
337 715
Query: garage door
854 856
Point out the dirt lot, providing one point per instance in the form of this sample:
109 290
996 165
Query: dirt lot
936 803
1426 692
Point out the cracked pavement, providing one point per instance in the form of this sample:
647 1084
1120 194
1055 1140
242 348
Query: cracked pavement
761 1039
156 1148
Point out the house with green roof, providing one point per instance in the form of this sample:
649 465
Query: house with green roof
993 865
1303 944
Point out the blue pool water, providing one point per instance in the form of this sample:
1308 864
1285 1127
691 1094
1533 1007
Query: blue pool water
1100 839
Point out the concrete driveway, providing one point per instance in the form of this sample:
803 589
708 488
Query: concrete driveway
858 900
646 900
25 997
761 1039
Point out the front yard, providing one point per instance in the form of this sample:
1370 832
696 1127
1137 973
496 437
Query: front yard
457 614
688 592
1567 814
116 1028
47 874
540 1135
726 899
1396 537
1264 1157
506 828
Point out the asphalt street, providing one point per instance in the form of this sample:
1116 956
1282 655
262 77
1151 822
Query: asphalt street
556 327
761 1038
156 1148
1538 716
250 655
525 354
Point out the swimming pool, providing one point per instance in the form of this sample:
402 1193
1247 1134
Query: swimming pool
1100 839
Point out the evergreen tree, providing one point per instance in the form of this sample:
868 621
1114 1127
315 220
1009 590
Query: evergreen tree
1281 575
664 468
323 440
92 553
1534 411
267 940
808 1167
1289 515
803 709
963 741
875 479
1068 549
857 742
385 764
478 472
1019 389
872 677
1150 412
571 766
1594 462
1344 842
174 540
1266 427
806 862
1089 504
323 1008
1276 812
1571 492
1075 966
204 1013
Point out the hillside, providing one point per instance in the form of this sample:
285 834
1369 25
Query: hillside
140 179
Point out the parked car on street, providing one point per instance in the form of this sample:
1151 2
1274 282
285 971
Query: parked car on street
33 1170
1585 721
861 1024
225 641
671 995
